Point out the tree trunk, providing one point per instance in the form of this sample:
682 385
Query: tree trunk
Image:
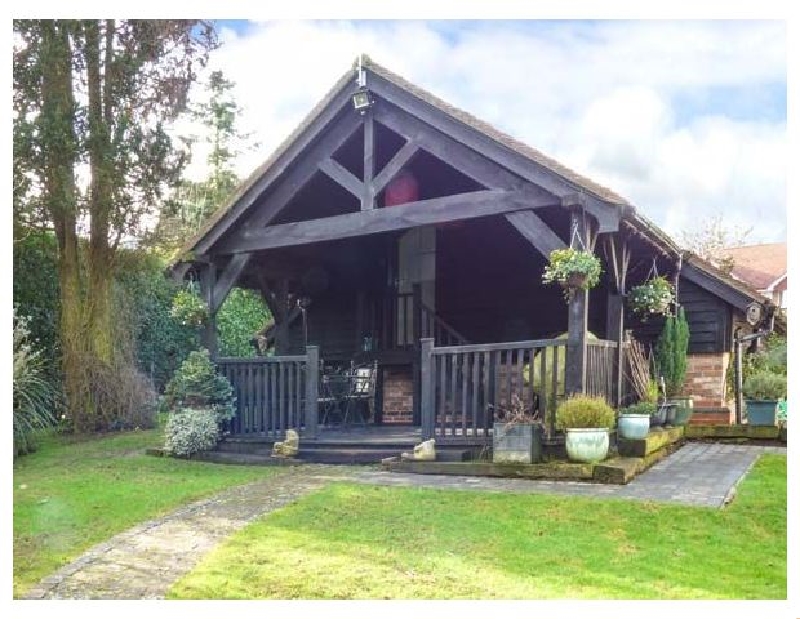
100 263
60 196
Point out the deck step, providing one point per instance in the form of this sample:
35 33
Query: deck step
322 454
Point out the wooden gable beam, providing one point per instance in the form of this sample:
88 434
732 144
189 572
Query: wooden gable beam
342 176
607 215
369 192
402 217
226 280
339 107
301 174
618 254
440 145
538 233
396 163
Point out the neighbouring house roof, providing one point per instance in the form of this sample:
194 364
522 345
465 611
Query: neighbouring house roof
736 292
760 266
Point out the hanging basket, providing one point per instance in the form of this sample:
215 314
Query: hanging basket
575 281
653 297
572 269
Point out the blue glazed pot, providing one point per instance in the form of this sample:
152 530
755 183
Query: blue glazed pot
587 444
761 412
634 426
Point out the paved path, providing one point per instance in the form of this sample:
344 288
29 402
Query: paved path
144 561
698 474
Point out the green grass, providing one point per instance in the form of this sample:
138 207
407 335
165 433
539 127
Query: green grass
354 541
70 495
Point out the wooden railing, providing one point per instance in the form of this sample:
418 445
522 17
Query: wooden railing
273 394
601 369
463 386
405 320
397 321
432 326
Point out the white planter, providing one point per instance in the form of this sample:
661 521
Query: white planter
633 426
587 444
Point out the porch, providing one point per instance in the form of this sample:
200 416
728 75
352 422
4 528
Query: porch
461 389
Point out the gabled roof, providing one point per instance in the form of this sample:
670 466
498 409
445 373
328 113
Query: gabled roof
579 181
760 266
733 291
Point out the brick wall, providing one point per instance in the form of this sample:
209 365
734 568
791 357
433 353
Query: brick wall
705 380
398 395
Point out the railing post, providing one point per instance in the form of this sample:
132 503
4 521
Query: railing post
416 328
427 410
312 390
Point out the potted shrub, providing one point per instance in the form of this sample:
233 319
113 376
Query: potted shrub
762 390
573 269
652 297
586 420
199 402
517 433
671 354
634 421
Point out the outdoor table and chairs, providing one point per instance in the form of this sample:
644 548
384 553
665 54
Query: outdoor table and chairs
347 394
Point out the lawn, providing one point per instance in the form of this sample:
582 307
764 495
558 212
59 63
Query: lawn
71 494
356 541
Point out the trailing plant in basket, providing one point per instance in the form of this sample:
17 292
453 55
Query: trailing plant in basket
567 262
652 297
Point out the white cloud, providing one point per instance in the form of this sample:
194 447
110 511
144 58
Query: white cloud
607 98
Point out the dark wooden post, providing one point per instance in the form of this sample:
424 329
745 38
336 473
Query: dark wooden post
618 256
312 390
614 332
737 377
577 319
428 413
209 335
368 199
417 334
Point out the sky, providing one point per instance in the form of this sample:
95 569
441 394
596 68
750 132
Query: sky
685 119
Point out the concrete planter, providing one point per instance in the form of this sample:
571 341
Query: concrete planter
670 413
633 426
684 409
761 412
587 444
659 418
518 443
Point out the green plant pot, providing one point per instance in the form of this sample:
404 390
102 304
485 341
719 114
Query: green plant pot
519 443
587 444
684 409
633 426
761 412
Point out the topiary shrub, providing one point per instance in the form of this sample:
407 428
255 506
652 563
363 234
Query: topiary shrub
196 385
671 351
584 411
190 430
